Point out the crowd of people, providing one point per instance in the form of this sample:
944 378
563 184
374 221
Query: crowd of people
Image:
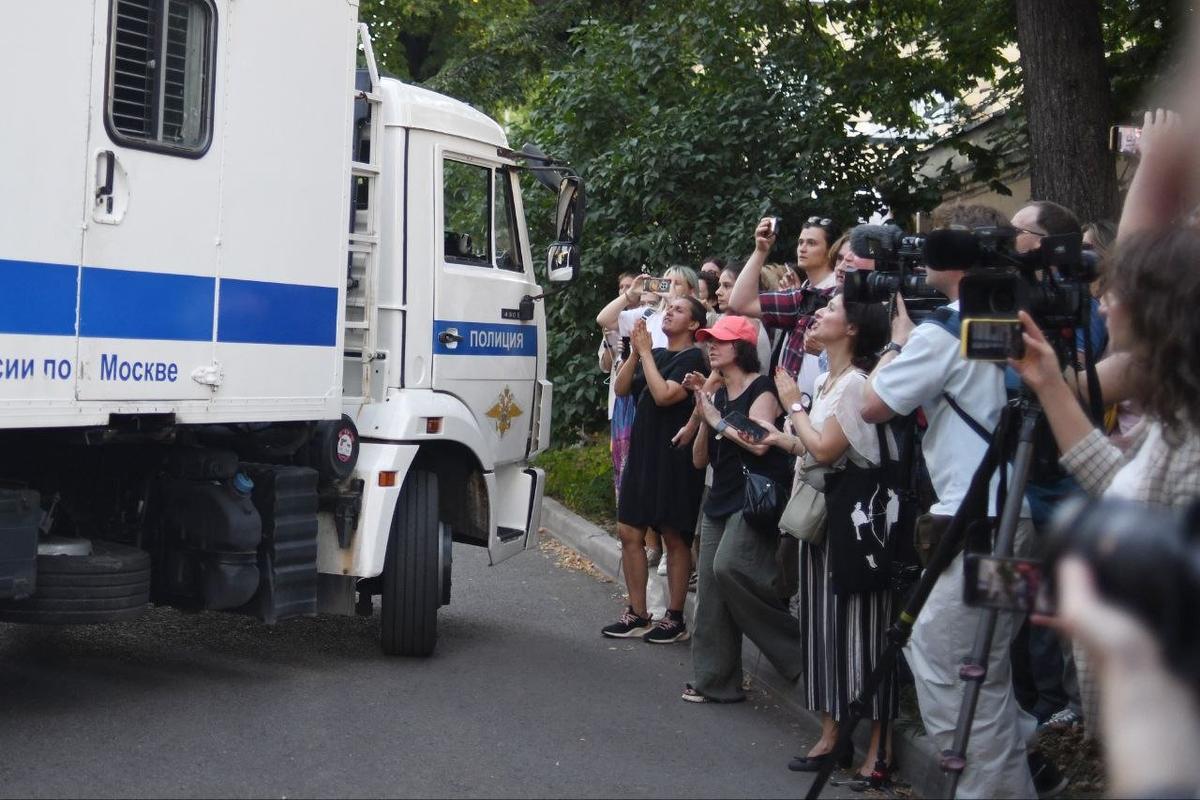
732 380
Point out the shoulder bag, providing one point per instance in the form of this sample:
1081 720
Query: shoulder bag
804 516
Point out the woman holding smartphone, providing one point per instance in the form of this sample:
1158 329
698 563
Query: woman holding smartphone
738 574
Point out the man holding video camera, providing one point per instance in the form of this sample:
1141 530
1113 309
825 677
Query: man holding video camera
962 401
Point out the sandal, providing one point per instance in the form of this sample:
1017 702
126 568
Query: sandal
692 696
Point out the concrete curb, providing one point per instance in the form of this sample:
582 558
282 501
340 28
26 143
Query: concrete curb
915 752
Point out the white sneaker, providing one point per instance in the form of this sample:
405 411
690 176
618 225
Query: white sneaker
662 565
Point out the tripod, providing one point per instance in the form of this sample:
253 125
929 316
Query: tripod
974 668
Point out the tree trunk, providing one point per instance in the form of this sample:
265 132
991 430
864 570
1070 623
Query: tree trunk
1068 103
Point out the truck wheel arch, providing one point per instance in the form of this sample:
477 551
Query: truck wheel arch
463 501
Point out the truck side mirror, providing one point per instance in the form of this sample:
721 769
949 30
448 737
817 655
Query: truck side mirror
562 263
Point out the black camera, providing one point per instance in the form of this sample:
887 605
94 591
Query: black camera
1051 283
899 269
1146 559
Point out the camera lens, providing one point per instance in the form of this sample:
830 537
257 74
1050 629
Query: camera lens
1003 300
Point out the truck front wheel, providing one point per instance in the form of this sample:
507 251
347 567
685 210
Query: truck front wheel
412 588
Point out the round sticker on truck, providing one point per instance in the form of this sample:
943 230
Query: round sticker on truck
345 445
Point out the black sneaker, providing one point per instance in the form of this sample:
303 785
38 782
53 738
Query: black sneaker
1048 781
628 626
667 630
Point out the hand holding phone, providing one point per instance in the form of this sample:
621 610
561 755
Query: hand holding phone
1125 140
748 428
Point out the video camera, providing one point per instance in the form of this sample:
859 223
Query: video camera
899 269
1146 559
1051 283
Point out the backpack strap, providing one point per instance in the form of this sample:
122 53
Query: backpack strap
971 422
948 320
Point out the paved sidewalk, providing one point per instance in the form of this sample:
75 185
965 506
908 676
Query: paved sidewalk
914 751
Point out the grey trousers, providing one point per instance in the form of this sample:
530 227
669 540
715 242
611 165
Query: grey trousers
942 636
738 593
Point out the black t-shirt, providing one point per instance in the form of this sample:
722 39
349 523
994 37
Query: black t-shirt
727 458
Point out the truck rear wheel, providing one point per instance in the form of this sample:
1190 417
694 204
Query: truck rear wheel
412 588
110 585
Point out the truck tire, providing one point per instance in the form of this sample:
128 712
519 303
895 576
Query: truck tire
411 586
110 585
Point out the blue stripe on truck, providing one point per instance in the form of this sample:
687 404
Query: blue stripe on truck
37 299
40 299
256 312
123 304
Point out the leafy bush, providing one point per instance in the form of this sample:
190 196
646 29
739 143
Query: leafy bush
580 477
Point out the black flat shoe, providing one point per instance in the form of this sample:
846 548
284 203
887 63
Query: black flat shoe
814 763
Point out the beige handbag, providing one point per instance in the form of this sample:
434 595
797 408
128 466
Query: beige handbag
804 515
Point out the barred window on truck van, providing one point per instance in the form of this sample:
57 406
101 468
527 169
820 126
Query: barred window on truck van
160 75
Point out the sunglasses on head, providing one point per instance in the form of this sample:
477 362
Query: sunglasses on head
821 222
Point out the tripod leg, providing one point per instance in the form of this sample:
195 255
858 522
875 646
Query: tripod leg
947 549
975 667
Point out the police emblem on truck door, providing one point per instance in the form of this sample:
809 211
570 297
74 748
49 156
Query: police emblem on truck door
504 411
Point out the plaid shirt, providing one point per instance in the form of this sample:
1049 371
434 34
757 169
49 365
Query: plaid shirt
1171 477
780 311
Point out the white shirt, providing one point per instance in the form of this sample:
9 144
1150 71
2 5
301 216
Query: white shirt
929 365
653 316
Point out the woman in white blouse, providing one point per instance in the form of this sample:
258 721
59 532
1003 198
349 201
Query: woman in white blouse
843 633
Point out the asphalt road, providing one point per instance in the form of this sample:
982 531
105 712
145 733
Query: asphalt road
522 698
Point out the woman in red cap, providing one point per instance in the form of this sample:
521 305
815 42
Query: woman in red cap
738 573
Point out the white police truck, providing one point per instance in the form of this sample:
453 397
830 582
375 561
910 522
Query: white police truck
269 331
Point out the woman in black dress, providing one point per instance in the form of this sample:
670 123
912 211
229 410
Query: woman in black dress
660 487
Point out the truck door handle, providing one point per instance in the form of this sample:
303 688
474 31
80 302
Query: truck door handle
104 179
449 336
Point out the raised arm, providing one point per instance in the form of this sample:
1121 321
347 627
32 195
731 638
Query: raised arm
1115 375
1097 460
875 411
664 392
743 298
623 384
608 316
1156 194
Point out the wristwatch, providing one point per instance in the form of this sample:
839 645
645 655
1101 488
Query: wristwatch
796 408
891 347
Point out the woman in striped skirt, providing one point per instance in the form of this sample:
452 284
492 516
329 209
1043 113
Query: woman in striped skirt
843 634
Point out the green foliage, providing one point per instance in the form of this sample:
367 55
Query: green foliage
689 119
581 478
